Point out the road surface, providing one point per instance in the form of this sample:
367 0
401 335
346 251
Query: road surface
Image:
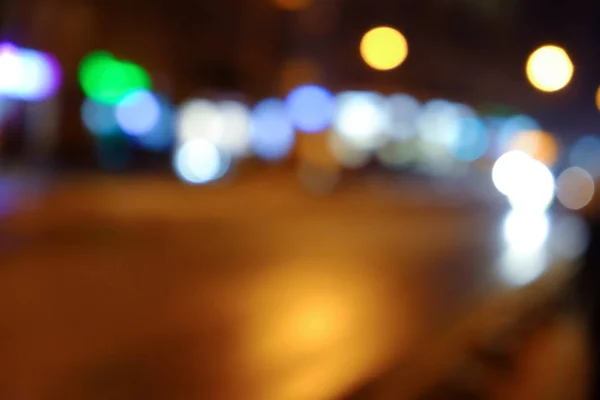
143 288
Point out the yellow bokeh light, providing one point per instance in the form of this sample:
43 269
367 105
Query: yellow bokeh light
539 145
549 68
293 5
598 98
383 48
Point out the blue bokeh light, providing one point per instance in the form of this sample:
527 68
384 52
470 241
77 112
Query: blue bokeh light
310 108
161 137
138 113
99 118
473 141
199 161
585 154
272 135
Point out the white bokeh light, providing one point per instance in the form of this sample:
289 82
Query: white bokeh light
524 258
361 119
528 184
198 119
200 161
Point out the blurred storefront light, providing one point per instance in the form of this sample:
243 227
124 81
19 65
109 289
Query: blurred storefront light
27 74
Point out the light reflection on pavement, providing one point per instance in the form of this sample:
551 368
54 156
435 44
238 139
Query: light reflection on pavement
147 289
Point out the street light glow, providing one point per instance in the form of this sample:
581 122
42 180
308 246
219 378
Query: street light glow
383 48
549 68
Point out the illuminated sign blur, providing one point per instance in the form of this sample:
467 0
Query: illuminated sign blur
27 74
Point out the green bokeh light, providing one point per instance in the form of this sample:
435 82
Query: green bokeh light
107 80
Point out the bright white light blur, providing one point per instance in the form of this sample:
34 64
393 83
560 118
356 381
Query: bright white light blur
528 184
27 74
11 70
533 188
525 236
361 119
506 168
549 68
525 232
575 188
404 110
199 161
439 123
138 113
40 74
198 119
272 134
235 136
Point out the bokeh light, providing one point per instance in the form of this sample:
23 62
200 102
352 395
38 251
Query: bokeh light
585 153
575 188
138 113
310 108
160 137
473 140
527 183
538 144
98 118
107 80
383 48
404 110
225 124
272 134
361 119
511 127
549 68
27 74
235 135
506 167
524 258
198 119
199 161
439 123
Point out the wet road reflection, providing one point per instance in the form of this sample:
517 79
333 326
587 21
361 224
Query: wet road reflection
146 289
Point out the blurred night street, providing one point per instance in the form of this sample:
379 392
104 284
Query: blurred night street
299 200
